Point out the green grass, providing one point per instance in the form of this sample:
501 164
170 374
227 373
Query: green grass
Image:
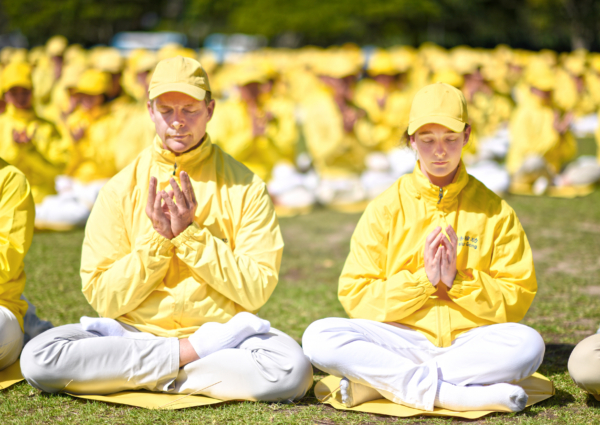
564 234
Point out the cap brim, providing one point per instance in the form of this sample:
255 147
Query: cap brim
193 91
449 122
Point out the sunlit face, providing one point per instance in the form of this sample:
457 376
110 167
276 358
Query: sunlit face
19 97
180 120
439 150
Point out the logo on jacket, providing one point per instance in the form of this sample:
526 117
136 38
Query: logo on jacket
468 241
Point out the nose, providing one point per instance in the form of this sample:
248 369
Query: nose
178 121
440 151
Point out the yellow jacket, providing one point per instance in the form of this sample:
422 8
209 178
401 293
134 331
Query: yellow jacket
532 132
389 119
42 159
92 157
384 277
135 134
226 262
335 152
17 214
231 128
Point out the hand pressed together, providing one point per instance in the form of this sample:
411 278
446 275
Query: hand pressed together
440 256
170 218
21 137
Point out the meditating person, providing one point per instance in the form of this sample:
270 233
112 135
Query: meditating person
181 250
584 365
439 273
18 321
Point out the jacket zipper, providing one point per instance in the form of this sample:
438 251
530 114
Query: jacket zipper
441 195
175 170
439 320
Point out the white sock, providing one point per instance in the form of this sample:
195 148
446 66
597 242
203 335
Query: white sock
110 327
354 393
212 336
498 397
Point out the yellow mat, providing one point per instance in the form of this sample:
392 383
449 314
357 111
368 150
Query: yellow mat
11 375
150 400
537 387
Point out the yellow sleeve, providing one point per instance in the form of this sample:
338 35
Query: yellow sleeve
532 132
504 292
17 214
116 276
365 289
323 128
245 270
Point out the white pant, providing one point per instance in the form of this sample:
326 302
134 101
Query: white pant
71 207
404 366
270 367
11 338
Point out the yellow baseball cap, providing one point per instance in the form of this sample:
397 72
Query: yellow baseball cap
438 103
93 82
179 74
16 74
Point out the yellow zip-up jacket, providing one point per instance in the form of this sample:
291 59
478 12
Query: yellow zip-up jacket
532 132
384 277
226 262
17 214
93 156
42 159
231 127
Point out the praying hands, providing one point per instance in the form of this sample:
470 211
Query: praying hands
440 256
170 218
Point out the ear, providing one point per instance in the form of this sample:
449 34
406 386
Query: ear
211 108
467 132
413 142
151 111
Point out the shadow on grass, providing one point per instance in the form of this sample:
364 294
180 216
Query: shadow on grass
592 402
556 358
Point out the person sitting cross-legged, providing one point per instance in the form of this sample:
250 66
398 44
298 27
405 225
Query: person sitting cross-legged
438 274
181 249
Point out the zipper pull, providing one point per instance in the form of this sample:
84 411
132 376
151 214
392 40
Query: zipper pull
441 195
175 169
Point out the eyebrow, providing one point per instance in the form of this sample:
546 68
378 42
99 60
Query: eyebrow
420 133
165 104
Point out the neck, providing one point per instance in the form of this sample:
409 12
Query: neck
439 181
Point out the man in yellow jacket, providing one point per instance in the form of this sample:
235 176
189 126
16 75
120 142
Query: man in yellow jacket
182 247
438 274
18 321
28 142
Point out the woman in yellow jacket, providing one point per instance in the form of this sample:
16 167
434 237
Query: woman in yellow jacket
439 273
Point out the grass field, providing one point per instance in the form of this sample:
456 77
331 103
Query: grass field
564 234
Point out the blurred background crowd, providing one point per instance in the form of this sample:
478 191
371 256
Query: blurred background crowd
321 125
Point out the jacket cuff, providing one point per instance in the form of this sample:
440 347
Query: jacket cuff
186 235
423 282
162 246
458 286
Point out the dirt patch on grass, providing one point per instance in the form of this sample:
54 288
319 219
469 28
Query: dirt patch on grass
593 290
590 227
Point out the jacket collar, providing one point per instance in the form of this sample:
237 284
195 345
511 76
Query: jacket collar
431 193
195 156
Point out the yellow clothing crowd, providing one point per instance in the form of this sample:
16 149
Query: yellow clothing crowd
318 125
